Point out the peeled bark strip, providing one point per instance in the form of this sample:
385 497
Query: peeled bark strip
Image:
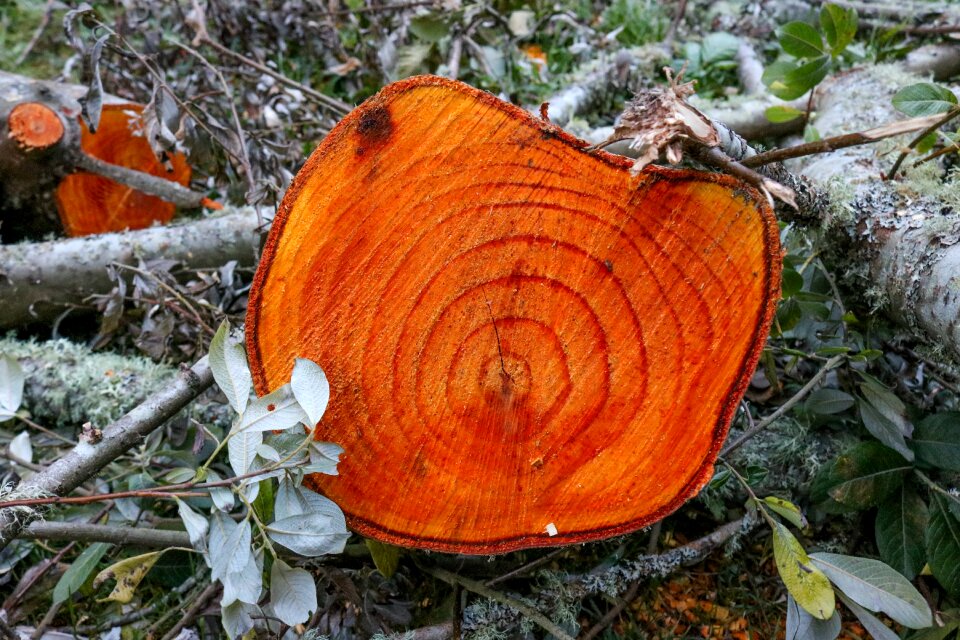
550 347
40 280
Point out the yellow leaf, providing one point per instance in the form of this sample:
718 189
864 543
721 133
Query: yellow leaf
788 510
809 586
385 556
128 573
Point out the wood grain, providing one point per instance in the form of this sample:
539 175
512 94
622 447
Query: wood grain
91 204
516 331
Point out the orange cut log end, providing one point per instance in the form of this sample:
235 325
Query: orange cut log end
91 204
34 126
526 346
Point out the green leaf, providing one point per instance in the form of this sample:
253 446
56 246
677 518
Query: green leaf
787 509
828 401
943 544
861 477
719 46
782 113
883 429
936 441
805 582
128 573
808 75
791 282
802 626
79 572
293 593
924 99
839 26
800 40
310 388
11 386
873 625
876 587
926 143
900 527
228 362
429 28
386 557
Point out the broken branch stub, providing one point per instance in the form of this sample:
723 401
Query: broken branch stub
526 345
90 203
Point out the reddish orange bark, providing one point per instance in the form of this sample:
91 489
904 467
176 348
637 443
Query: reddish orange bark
93 204
517 333
34 126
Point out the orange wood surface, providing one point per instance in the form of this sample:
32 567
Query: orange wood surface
34 125
516 331
93 204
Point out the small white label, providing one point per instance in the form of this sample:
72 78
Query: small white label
551 529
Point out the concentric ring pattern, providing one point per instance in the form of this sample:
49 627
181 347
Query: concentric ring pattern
91 204
517 332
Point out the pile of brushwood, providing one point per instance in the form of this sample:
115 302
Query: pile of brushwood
137 500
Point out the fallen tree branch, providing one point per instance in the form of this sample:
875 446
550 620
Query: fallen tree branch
81 532
87 459
38 290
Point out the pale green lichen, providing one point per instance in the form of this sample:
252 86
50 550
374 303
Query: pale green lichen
67 384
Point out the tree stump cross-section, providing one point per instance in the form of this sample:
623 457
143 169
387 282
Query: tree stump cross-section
526 345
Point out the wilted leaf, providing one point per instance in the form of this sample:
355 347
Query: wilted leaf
936 441
293 593
310 388
228 362
802 626
79 572
876 587
943 544
806 583
900 528
128 573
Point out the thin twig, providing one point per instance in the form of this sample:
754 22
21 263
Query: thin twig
830 364
143 182
481 589
840 142
614 613
37 34
940 121
331 103
191 614
533 564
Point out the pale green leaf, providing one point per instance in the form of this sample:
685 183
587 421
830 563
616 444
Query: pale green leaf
293 593
311 534
11 385
386 557
310 388
876 587
873 625
800 40
839 26
802 626
228 362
